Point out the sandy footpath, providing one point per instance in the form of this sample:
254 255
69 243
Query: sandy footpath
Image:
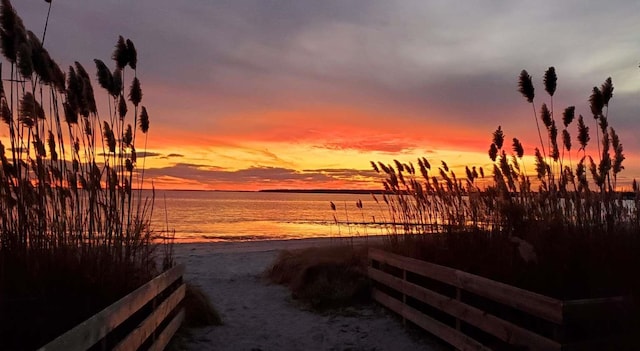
262 316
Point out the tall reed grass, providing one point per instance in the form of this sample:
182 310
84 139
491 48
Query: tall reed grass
75 230
569 216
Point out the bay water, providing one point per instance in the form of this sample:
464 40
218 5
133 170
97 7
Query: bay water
244 216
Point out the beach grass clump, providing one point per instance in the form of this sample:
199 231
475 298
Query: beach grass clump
199 312
323 278
569 230
75 231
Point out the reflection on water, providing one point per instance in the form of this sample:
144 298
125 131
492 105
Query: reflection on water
216 216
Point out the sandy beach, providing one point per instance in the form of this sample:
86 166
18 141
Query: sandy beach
262 316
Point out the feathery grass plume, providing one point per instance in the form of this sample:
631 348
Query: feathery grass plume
51 141
76 92
541 166
596 102
58 77
545 116
43 65
469 174
12 31
109 137
553 132
555 151
423 169
515 164
604 166
583 133
73 86
517 148
70 115
7 117
30 110
375 166
506 170
481 172
128 136
618 155
116 82
525 86
121 54
105 79
132 54
25 65
87 127
384 167
426 163
144 120
604 124
135 92
634 185
134 155
568 115
38 145
566 139
445 166
498 137
498 178
88 97
122 108
40 57
597 177
607 91
399 166
493 152
550 80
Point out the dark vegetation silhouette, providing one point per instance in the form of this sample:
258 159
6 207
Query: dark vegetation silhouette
75 230
567 231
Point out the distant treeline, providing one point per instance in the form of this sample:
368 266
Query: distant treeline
626 195
326 191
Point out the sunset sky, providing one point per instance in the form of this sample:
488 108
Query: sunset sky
270 94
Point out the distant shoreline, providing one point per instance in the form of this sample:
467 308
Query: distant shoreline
626 195
289 191
325 191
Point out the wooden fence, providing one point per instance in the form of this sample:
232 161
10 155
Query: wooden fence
475 313
148 316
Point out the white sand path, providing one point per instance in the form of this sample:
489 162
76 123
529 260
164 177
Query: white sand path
262 316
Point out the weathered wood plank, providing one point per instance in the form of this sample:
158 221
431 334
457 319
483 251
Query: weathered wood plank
137 337
168 332
92 330
441 273
444 332
503 330
535 304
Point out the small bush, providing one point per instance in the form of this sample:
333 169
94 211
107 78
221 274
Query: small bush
199 312
324 278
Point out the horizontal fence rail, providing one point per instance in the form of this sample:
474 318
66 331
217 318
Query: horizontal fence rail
160 298
465 304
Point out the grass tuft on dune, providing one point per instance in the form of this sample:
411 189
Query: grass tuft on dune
324 278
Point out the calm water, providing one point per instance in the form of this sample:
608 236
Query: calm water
219 216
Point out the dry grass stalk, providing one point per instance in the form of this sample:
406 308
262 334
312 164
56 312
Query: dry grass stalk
74 235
